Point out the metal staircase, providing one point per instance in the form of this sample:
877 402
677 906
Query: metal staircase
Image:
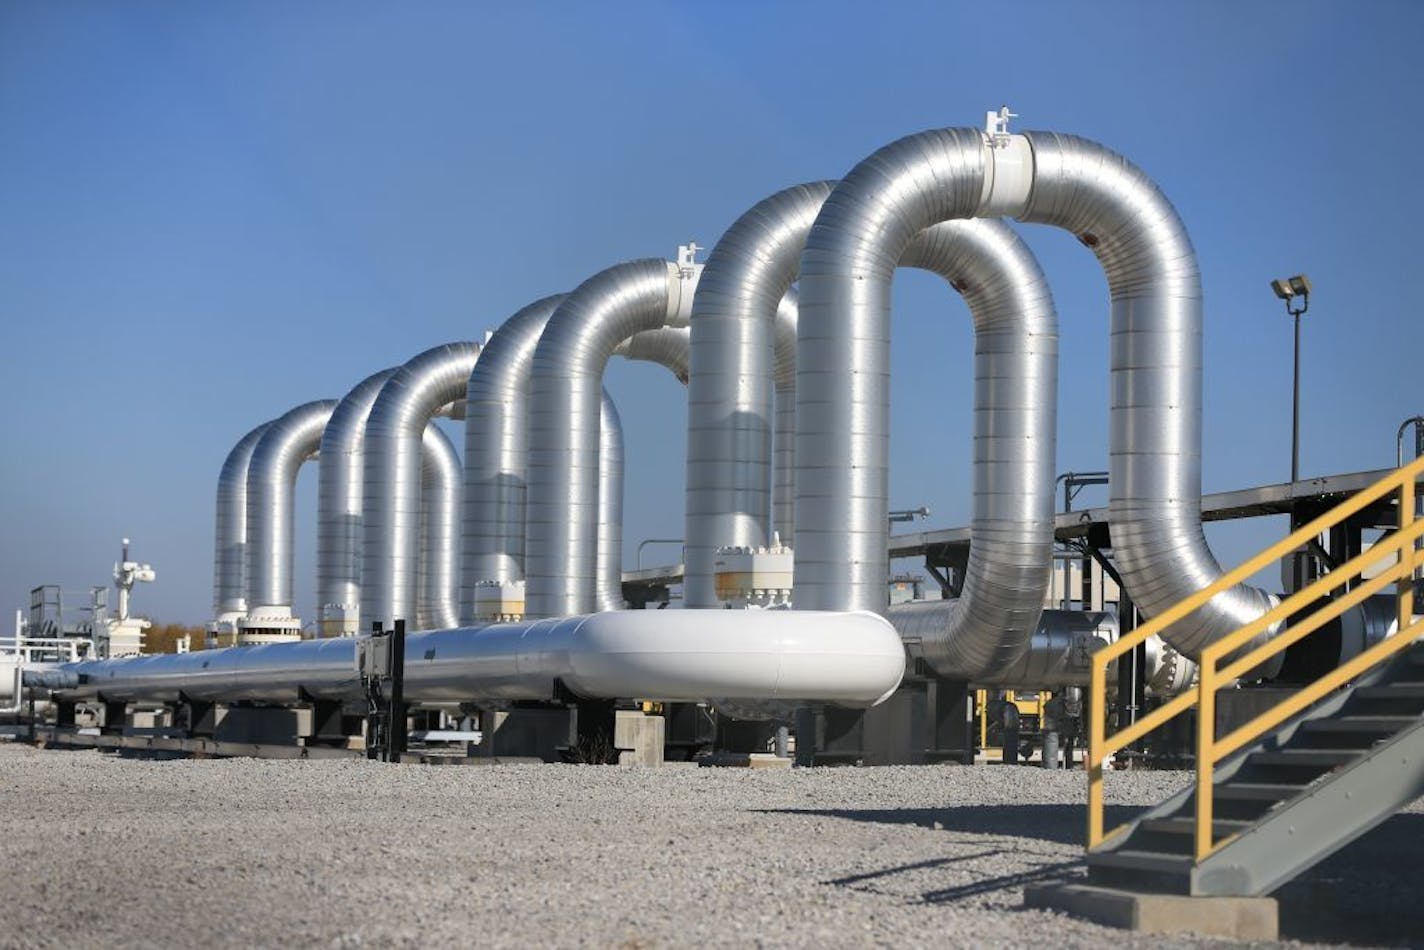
1282 792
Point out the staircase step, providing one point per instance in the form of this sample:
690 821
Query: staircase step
1154 862
1188 826
1360 725
1392 691
1256 791
1306 758
1142 871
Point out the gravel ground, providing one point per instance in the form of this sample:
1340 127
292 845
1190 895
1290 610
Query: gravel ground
122 852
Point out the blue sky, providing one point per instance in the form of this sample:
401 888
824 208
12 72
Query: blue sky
210 213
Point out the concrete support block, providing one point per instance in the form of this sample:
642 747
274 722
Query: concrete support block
1235 918
639 736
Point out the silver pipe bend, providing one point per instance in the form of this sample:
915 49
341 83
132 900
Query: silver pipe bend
339 498
564 424
230 531
391 488
496 453
288 441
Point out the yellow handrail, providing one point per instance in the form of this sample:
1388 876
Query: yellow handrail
1403 545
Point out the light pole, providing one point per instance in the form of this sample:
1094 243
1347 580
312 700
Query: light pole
1288 290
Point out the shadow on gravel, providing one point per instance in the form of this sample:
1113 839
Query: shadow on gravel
1058 872
1365 894
1061 824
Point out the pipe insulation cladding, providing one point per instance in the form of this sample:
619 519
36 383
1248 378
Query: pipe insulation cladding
437 570
391 489
610 506
667 347
230 531
496 453
1155 324
738 352
339 496
731 389
783 489
288 441
852 659
989 626
564 409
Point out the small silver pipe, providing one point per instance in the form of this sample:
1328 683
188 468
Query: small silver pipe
1418 423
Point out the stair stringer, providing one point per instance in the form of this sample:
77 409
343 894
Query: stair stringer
1332 812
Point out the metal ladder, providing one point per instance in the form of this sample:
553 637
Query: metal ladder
1306 777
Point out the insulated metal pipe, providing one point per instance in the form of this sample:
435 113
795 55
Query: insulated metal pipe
288 441
390 505
610 506
496 453
230 532
668 347
339 498
989 626
1155 415
565 387
437 572
676 656
783 500
730 392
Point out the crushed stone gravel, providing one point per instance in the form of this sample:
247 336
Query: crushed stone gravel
121 852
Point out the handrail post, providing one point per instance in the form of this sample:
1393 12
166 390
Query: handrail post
1206 754
1097 739
1405 590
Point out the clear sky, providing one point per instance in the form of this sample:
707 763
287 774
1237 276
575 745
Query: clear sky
210 213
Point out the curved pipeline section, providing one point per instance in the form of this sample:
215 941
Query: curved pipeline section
496 453
674 656
610 506
843 407
289 440
565 386
230 532
437 571
783 492
730 393
666 346
390 504
989 626
338 537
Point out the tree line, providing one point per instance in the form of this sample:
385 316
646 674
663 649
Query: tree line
163 638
